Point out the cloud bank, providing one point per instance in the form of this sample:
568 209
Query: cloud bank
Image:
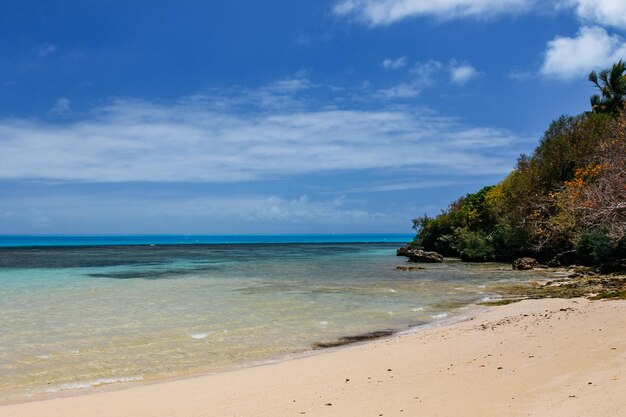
385 12
254 135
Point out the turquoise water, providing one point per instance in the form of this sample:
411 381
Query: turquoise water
104 240
82 316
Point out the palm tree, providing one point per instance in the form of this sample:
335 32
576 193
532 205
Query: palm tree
612 85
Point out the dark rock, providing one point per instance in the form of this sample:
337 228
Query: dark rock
404 250
423 256
418 255
567 258
525 264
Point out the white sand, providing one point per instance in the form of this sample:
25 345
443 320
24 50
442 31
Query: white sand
538 358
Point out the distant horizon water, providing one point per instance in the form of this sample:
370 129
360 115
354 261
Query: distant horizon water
33 240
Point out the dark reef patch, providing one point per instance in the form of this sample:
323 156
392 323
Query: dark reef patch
153 274
346 340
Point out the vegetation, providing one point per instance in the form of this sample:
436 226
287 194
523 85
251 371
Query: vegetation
612 86
594 287
565 203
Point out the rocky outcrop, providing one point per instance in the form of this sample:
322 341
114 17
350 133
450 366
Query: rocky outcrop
525 264
404 250
418 255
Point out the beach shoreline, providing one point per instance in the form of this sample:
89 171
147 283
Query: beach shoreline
462 314
535 357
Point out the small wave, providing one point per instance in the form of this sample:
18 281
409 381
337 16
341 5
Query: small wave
439 316
199 336
485 299
416 309
392 290
92 384
323 323
391 313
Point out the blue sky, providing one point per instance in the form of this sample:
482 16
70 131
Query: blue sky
305 116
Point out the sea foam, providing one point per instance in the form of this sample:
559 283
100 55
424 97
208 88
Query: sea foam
199 336
91 384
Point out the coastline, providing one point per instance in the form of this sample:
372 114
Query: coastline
77 389
535 357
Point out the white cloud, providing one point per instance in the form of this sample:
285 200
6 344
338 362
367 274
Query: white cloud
421 76
228 136
592 48
601 12
426 74
518 74
383 12
289 85
46 49
461 74
61 107
389 63
406 185
402 90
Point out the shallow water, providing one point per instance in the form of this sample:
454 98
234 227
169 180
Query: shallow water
74 317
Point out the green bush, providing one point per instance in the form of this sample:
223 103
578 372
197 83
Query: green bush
507 242
474 246
595 247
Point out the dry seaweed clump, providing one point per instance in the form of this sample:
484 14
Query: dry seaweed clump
597 287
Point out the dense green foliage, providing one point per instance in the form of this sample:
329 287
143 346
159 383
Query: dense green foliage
567 198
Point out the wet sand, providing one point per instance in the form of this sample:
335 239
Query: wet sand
549 357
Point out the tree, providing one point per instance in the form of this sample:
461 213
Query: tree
612 85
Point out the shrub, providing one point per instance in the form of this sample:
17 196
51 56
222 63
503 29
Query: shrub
474 246
595 247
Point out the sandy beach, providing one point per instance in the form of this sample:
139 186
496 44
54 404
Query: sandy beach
550 357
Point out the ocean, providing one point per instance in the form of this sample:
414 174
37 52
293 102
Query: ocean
92 311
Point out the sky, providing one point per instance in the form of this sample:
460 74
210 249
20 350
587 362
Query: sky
279 116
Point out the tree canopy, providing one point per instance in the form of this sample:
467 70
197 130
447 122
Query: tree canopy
564 203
